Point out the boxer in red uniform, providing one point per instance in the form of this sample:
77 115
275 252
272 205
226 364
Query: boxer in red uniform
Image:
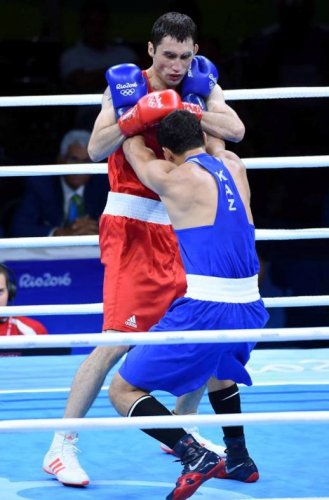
143 269
144 276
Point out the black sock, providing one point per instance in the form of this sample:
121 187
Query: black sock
149 406
227 401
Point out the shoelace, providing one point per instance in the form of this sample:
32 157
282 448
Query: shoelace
190 458
70 451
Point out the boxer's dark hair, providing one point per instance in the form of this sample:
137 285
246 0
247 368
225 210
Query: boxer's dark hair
174 24
180 131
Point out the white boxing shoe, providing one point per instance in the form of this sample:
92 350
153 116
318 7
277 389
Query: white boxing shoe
61 460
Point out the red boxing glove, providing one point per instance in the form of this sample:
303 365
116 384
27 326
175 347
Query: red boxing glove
193 108
149 110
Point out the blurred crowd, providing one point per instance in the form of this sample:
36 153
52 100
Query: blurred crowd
291 52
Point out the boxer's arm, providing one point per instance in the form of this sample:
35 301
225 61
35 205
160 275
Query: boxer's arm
214 145
106 135
126 85
221 120
151 171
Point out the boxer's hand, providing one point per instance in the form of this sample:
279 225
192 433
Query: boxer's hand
199 81
81 226
127 85
84 225
149 110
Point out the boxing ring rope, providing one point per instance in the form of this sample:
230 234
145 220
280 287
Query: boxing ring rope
101 168
97 307
236 95
90 240
47 424
175 337
143 338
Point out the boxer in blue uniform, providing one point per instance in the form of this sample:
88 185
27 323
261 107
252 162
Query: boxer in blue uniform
207 200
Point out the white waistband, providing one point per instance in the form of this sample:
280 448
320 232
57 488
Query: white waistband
211 288
136 207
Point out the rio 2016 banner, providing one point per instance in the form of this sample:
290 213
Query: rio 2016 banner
71 281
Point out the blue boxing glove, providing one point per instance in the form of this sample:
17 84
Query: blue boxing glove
127 85
199 81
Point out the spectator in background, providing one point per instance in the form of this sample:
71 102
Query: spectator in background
68 205
10 325
83 65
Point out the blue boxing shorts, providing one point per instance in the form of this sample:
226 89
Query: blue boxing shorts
183 368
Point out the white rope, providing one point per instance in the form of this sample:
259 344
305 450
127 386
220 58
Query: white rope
275 93
97 308
90 240
51 100
158 422
287 162
96 99
301 301
49 241
157 338
101 168
55 169
291 234
52 309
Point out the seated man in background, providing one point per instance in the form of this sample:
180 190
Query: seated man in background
67 205
10 325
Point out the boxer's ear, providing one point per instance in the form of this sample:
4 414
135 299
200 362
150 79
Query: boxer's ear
150 49
168 154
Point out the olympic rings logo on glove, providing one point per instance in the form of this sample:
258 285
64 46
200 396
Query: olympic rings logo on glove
127 92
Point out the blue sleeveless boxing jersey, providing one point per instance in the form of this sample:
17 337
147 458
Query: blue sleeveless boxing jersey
227 248
220 257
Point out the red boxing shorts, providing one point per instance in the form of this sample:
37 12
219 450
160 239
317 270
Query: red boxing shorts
144 273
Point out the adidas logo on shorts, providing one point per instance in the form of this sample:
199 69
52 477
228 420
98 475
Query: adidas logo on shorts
131 321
